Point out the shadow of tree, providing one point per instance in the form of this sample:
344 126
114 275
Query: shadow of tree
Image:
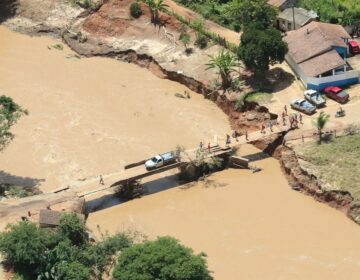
26 182
279 79
7 9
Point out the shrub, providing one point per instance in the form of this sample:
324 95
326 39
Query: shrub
201 40
135 10
73 271
162 259
73 227
22 245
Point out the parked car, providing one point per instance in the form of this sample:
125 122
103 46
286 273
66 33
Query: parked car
337 94
354 48
160 160
303 106
314 97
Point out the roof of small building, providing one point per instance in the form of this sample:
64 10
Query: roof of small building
49 217
322 64
314 39
301 15
277 3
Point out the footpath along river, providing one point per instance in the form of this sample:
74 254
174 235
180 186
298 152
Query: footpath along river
89 116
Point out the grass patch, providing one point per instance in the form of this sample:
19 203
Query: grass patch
259 97
336 164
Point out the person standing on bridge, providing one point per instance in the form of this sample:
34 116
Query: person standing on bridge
285 110
209 147
201 146
246 135
228 141
101 182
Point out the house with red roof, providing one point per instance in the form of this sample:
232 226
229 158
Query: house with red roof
318 55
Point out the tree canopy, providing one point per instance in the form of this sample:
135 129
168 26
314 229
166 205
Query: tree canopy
62 253
162 259
10 112
261 47
226 63
249 11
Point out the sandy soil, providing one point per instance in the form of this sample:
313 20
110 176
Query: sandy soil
248 228
91 116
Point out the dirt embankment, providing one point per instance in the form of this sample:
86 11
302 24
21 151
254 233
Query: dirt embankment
300 180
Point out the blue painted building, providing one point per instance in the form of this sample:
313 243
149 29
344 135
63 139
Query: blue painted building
317 54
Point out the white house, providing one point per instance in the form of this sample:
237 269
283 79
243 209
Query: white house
317 54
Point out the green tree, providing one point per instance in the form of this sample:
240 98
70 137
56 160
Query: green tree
22 245
10 112
162 259
185 40
321 121
155 7
73 271
226 63
261 47
249 11
73 227
135 10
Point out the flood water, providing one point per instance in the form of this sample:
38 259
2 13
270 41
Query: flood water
90 116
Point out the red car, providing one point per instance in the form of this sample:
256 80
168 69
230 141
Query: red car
336 94
354 48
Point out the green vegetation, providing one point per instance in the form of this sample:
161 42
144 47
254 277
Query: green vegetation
162 259
10 112
215 10
226 63
135 10
67 253
259 97
155 7
261 47
335 163
185 40
201 41
58 47
320 123
246 12
62 253
345 12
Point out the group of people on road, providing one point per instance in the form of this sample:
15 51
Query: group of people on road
294 118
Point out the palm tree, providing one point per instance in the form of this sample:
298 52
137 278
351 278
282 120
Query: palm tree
226 63
155 7
321 121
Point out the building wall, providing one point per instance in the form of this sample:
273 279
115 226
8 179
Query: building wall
346 78
341 51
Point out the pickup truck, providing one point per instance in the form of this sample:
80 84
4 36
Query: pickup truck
303 106
336 94
314 97
160 160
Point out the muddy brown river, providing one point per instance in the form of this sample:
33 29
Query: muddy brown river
91 116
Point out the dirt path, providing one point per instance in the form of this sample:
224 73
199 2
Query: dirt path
230 35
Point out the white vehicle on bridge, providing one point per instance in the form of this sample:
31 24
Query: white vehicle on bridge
160 160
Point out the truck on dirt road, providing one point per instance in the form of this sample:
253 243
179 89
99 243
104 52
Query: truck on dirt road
160 160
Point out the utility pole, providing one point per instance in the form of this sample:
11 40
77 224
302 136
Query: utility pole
293 12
